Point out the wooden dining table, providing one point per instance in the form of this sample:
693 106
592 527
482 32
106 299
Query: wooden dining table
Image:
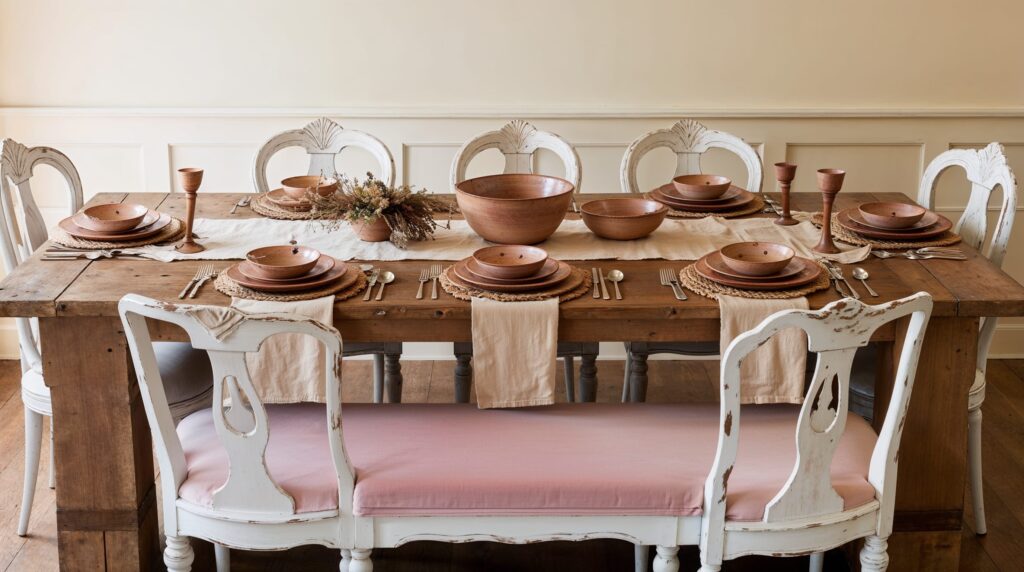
106 500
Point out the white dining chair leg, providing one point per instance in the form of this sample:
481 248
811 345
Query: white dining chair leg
360 561
223 556
667 559
378 378
33 443
53 457
873 557
817 563
570 379
641 555
974 458
346 559
178 555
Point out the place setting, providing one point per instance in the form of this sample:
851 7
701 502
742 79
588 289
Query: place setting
290 272
696 196
111 226
514 273
754 270
292 200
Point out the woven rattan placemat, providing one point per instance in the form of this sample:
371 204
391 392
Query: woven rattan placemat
577 284
839 232
260 205
342 290
173 231
756 206
700 285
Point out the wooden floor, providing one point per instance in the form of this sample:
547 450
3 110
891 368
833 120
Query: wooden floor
671 381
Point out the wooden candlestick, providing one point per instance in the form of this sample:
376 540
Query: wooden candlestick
190 178
829 183
784 174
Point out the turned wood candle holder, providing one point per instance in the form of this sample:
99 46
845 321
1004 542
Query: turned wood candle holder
829 183
784 174
190 178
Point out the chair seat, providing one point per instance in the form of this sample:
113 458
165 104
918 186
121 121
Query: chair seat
574 459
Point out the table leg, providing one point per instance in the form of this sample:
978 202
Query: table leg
929 510
463 371
637 376
393 377
588 375
106 505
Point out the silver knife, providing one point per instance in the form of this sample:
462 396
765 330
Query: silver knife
597 283
835 279
604 288
373 280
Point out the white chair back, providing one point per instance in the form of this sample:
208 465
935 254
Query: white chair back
242 427
323 140
834 333
689 140
518 141
986 170
24 229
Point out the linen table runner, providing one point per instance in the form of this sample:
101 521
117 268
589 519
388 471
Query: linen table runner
774 372
514 352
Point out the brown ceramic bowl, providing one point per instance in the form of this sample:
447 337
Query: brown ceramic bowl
701 187
514 209
113 217
297 187
623 219
510 261
757 258
891 215
279 262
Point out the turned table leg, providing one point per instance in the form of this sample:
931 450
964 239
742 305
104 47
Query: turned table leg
393 376
637 376
463 371
588 374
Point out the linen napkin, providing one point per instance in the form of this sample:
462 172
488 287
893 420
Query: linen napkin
289 368
514 352
774 372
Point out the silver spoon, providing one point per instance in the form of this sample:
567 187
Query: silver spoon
385 279
616 276
862 275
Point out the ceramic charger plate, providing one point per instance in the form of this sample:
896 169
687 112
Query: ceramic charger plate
339 273
463 277
151 225
738 201
809 272
930 226
279 198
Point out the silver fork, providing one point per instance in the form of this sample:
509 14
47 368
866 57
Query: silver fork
424 278
951 254
200 272
242 202
210 273
667 279
372 281
838 273
435 274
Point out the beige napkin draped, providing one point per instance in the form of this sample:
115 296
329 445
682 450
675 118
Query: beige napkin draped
774 372
289 368
514 352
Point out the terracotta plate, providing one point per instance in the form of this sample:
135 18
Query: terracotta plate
468 279
928 220
282 200
476 272
151 217
150 226
323 265
715 262
743 199
338 273
934 225
808 273
670 191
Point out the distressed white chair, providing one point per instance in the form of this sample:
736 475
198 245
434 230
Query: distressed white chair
23 231
689 140
517 141
814 510
323 139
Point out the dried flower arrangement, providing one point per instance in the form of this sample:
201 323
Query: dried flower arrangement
408 213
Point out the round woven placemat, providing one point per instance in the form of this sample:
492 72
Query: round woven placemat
839 232
260 205
173 231
697 283
340 289
756 206
577 284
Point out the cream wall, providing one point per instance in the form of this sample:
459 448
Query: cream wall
133 90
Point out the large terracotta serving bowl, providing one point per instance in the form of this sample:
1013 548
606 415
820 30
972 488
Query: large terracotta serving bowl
297 187
757 258
280 262
623 219
892 215
117 217
701 187
514 209
510 261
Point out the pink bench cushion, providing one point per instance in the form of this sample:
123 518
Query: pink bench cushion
614 459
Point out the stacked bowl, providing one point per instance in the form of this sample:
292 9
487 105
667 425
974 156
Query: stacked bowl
295 192
893 221
289 268
121 222
510 268
758 266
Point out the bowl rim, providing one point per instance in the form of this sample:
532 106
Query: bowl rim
748 242
294 246
662 207
723 180
328 181
571 187
144 208
923 210
496 246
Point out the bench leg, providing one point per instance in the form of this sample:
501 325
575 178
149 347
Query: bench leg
588 377
346 559
393 377
641 557
463 371
178 555
360 561
378 378
667 559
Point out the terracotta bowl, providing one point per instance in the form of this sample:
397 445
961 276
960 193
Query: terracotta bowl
113 217
757 258
623 219
297 187
278 262
892 215
701 187
510 261
514 209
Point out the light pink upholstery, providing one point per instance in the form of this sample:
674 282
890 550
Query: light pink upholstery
620 459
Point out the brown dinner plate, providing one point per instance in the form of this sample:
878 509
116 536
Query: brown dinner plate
671 192
477 271
743 199
467 279
929 219
936 225
82 221
279 198
337 274
323 265
715 262
808 273
147 228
